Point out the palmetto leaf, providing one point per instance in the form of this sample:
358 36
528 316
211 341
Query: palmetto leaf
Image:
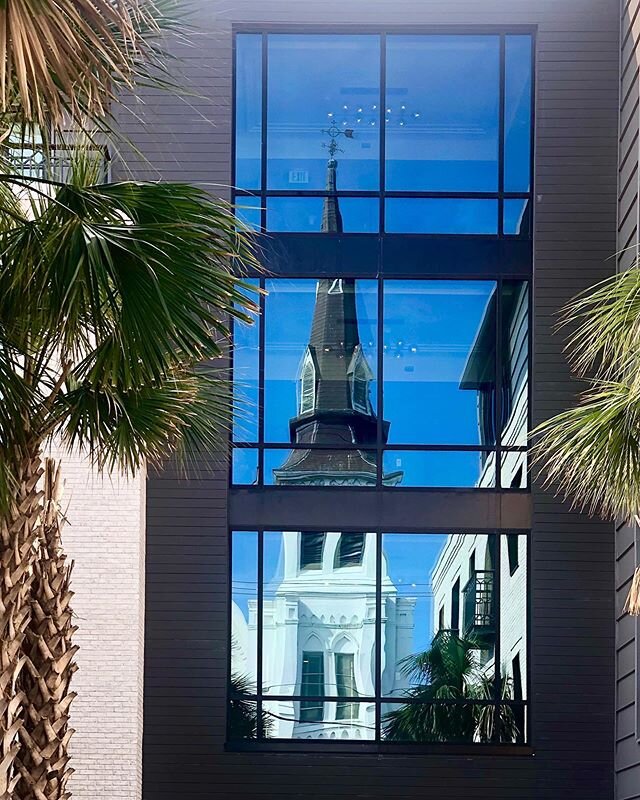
64 61
111 297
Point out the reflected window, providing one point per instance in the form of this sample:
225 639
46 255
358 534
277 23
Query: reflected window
345 685
312 685
311 549
350 550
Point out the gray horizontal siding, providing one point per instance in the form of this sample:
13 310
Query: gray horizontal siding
627 747
189 138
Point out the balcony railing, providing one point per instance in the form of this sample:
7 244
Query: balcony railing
479 607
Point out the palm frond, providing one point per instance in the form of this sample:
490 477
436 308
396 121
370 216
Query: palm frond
591 453
64 62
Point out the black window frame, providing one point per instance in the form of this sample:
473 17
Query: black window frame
378 256
378 744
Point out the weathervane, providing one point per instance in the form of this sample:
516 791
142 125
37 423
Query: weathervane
333 131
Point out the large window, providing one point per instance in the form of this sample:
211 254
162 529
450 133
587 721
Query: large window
385 383
392 174
426 133
362 652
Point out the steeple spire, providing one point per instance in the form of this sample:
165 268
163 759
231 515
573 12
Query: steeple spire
334 403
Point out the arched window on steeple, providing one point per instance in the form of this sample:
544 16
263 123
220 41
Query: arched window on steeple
360 377
307 398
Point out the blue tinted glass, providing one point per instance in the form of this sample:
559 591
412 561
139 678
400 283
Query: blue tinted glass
248 210
441 216
439 361
449 468
318 83
245 351
306 214
517 114
248 110
442 113
514 469
516 218
244 467
515 363
320 360
244 594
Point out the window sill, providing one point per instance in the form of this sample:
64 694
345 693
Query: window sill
294 746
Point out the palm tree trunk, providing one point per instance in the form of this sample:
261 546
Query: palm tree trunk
18 541
49 650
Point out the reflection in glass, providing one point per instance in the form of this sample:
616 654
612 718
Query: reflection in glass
515 363
465 722
439 361
244 609
248 210
284 722
441 216
442 108
514 469
517 113
244 466
246 360
408 607
446 603
320 361
304 214
440 468
248 110
516 218
243 719
329 80
513 622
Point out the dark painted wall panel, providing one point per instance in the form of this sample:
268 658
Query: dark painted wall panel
572 556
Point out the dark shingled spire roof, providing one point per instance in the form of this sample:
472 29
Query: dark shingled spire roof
335 350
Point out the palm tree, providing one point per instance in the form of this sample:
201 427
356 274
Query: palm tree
441 705
591 452
112 296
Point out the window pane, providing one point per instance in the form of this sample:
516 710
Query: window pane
249 210
328 215
319 83
517 114
248 110
517 218
284 722
321 341
244 469
467 722
243 719
244 608
345 685
515 363
322 610
514 469
439 361
442 109
320 467
246 360
441 216
409 615
439 468
513 628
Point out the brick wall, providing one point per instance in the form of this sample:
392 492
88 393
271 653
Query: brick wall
105 537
